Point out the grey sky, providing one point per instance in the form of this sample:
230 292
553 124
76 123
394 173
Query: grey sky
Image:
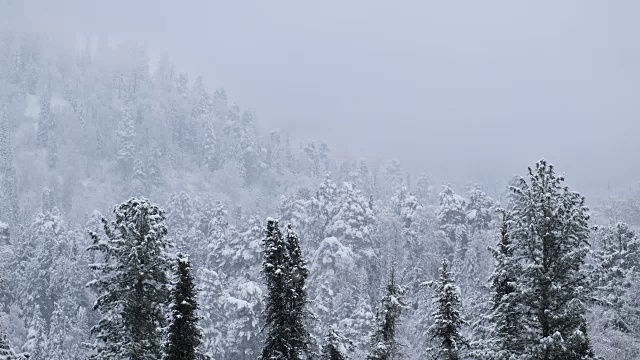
460 89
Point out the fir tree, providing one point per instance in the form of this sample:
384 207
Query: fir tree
126 134
452 217
384 344
549 233
6 149
132 284
202 103
42 250
138 183
480 210
617 270
45 121
298 273
52 147
505 316
9 183
31 76
275 269
184 333
220 106
285 272
37 342
210 156
60 326
334 346
153 167
447 318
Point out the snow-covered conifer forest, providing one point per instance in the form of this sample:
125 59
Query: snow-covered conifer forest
144 215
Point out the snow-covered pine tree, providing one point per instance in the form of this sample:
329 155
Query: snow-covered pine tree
220 105
52 143
285 271
318 213
126 134
447 318
31 76
184 333
314 158
132 283
154 170
452 217
138 185
505 316
6 149
9 191
60 327
45 120
480 210
201 101
324 157
616 275
549 231
41 250
384 344
211 290
275 270
37 343
299 339
210 148
424 190
335 346
6 352
352 223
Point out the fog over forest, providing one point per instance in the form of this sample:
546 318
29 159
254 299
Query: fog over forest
445 88
334 180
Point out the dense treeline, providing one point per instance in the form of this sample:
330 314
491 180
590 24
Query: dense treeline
520 274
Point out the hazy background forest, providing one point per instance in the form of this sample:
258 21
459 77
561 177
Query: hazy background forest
387 135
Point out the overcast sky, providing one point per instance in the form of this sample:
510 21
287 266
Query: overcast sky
462 89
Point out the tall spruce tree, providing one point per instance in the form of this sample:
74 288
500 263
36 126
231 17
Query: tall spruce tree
275 270
298 273
184 333
384 345
618 269
447 318
549 233
132 282
125 139
334 346
505 317
45 121
453 223
285 273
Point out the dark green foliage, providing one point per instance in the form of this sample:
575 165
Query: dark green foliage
298 273
333 348
285 275
384 344
132 284
276 309
447 318
505 316
549 231
617 271
184 334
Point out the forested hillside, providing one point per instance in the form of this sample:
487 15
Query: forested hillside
99 146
